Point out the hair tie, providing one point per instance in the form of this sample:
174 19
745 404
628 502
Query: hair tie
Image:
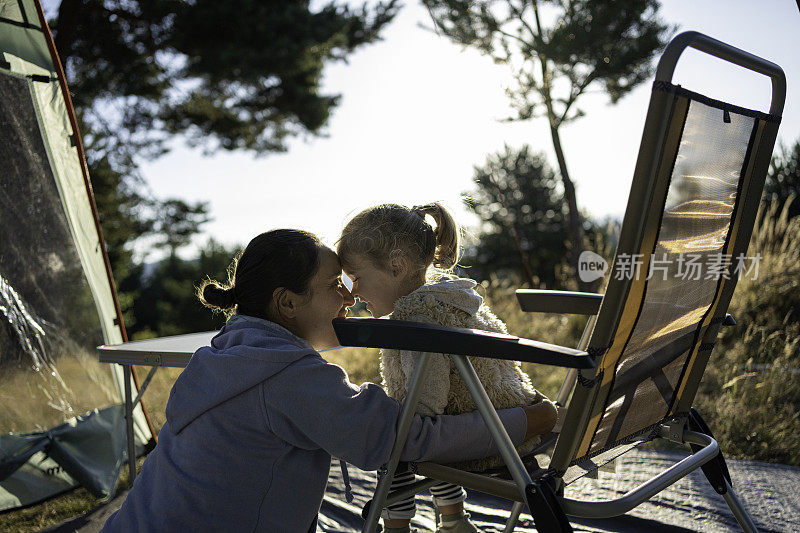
418 210
430 233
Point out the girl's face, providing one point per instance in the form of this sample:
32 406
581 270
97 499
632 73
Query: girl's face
327 299
378 287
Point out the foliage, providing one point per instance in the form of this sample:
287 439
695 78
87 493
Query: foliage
610 44
783 178
165 301
241 73
523 226
523 229
178 223
751 390
589 44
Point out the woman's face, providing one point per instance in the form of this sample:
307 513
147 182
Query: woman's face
327 298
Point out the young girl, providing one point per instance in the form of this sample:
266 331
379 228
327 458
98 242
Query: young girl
388 252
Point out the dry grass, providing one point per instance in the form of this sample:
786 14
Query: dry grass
157 393
70 386
48 513
57 510
751 390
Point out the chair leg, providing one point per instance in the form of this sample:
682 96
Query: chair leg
386 474
377 502
542 502
546 510
516 510
739 512
504 443
717 473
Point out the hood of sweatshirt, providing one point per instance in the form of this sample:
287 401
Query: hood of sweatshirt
450 290
245 352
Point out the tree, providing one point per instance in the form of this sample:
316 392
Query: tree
233 74
588 44
523 219
178 223
239 74
165 301
783 178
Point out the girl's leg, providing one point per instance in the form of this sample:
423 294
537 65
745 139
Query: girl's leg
448 498
450 501
399 514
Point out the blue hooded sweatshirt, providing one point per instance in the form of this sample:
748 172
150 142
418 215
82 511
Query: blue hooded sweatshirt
252 423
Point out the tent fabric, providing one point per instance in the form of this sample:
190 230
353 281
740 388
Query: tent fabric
17 19
56 303
81 448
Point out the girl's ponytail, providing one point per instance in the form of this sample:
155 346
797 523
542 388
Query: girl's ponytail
447 234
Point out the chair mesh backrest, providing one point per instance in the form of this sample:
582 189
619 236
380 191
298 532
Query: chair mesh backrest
677 271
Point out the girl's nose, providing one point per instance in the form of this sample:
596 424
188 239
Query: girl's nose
347 296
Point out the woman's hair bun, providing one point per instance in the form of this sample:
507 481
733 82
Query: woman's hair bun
214 295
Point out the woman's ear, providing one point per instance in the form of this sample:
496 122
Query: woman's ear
285 303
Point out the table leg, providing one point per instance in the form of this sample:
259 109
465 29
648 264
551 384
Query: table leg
129 425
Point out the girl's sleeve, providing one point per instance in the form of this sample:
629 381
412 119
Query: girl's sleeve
311 404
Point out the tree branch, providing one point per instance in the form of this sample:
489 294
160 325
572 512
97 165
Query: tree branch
520 13
574 94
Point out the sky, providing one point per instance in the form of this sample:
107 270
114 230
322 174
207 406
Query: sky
418 113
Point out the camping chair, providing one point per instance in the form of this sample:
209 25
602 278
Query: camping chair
695 192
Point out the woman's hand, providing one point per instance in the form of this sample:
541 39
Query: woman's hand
542 418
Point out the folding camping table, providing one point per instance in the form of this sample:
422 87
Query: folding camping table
172 351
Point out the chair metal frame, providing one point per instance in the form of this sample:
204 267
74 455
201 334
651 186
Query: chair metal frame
584 390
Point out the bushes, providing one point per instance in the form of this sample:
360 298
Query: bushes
750 394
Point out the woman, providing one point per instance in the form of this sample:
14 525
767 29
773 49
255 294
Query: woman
253 420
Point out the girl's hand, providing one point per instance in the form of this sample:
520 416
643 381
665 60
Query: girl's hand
542 418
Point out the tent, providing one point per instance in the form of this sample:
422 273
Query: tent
62 420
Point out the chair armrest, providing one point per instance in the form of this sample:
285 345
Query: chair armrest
402 335
564 302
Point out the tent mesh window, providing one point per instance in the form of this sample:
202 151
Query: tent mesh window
50 326
61 421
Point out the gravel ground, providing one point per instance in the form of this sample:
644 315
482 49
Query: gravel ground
770 492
